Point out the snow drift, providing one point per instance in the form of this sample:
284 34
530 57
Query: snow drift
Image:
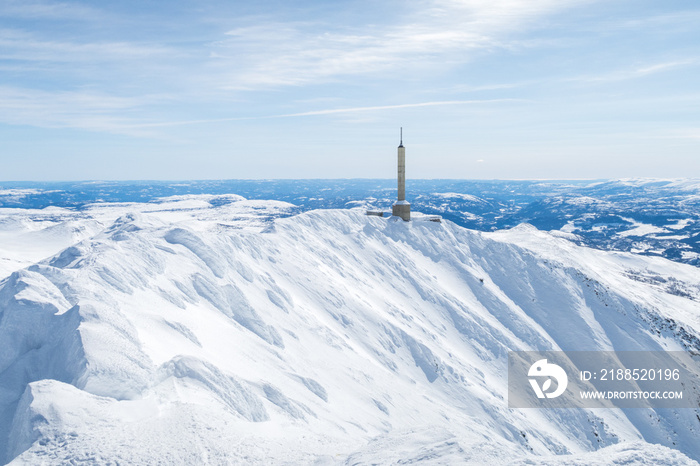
192 333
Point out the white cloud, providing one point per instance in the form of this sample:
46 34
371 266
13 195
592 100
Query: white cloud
660 67
429 35
332 111
637 72
75 109
685 133
679 19
96 111
32 9
20 45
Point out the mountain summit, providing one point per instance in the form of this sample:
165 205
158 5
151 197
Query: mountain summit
196 331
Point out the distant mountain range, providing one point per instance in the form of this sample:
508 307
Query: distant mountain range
645 216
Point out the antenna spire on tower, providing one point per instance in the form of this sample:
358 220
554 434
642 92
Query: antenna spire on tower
401 208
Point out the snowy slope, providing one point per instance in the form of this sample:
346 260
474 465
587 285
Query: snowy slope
27 236
185 332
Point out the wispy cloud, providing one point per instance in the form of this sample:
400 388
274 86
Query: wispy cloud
436 35
660 67
274 52
95 111
678 19
427 38
399 106
684 133
88 110
487 87
637 72
333 111
33 9
27 47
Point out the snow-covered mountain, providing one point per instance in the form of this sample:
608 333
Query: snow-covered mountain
655 217
195 331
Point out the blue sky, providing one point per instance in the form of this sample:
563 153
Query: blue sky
185 89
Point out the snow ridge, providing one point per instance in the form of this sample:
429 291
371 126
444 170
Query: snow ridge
326 336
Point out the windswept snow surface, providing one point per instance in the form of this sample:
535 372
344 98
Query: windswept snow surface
194 331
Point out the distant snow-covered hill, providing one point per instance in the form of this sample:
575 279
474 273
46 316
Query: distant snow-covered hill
655 217
198 331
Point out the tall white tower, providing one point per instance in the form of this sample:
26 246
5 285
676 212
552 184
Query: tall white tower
401 207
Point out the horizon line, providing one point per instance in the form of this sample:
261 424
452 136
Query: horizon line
192 180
